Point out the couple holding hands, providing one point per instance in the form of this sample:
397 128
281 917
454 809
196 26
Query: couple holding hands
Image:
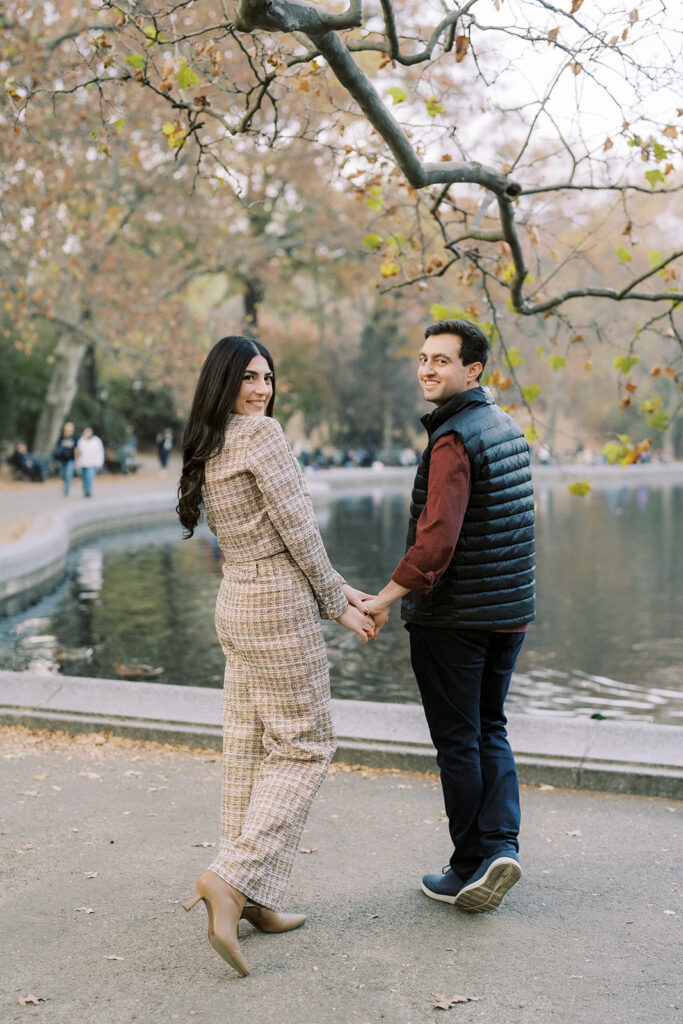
467 589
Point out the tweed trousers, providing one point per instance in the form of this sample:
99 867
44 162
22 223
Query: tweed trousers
278 736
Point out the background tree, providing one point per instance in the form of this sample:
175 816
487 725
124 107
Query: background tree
498 149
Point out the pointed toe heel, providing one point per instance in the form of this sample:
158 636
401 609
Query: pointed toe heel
271 921
224 906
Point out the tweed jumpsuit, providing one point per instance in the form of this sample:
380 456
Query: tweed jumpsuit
277 582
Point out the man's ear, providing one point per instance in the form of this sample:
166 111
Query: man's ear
474 370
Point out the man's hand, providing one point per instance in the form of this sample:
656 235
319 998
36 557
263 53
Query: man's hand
379 611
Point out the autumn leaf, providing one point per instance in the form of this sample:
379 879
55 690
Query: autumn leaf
135 60
553 34
580 488
531 393
446 1002
655 176
397 95
576 338
576 67
372 242
670 131
557 363
623 255
607 145
461 47
624 363
374 200
389 269
34 1000
575 6
514 358
185 77
434 107
308 849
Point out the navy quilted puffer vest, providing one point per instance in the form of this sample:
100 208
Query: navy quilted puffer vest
489 583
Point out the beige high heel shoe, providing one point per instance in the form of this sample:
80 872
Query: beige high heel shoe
224 905
271 921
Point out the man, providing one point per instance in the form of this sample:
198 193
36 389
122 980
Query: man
467 583
90 457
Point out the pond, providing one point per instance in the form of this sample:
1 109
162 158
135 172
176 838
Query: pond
607 640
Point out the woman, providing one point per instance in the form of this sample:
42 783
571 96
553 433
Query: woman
64 455
277 581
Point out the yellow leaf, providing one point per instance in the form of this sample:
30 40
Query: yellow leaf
575 6
389 269
580 488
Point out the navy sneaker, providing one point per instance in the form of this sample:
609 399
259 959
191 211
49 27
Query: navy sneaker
444 887
489 883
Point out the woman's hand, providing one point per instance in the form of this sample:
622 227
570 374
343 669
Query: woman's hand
358 623
355 597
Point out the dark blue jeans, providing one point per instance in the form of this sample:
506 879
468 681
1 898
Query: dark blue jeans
464 676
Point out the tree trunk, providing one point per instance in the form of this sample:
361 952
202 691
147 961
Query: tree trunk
253 295
61 391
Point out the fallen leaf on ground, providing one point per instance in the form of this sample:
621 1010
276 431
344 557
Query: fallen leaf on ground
25 1000
204 844
576 833
90 775
113 958
29 792
446 1002
133 772
85 910
90 874
673 912
308 849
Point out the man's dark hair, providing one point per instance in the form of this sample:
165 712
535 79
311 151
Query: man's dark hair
474 346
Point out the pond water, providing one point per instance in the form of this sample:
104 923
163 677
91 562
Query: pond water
607 640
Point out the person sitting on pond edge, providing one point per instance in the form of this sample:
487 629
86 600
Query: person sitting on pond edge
467 588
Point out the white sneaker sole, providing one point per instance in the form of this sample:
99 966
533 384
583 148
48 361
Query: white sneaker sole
437 896
487 892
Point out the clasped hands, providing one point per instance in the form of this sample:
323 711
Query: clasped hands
364 615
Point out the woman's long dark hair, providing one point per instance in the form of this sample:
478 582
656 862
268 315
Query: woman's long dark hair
214 399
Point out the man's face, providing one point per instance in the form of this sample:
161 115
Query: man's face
441 372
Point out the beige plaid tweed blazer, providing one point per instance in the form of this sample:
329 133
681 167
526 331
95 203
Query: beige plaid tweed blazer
278 735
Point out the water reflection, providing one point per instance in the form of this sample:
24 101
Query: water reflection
607 639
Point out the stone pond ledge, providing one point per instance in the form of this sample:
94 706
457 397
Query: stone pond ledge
576 753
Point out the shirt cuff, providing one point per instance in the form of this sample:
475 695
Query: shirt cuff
407 575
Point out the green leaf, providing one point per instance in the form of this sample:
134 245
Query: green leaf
439 312
374 200
531 393
531 434
623 254
118 124
514 358
136 60
624 438
434 107
650 405
660 151
655 257
660 420
557 363
186 77
614 452
654 176
540 351
152 35
509 272
580 488
624 363
372 241
397 95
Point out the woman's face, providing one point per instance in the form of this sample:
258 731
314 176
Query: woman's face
256 390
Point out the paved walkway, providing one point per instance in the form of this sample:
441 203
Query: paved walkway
21 502
102 838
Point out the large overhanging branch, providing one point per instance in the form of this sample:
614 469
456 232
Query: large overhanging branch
297 16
